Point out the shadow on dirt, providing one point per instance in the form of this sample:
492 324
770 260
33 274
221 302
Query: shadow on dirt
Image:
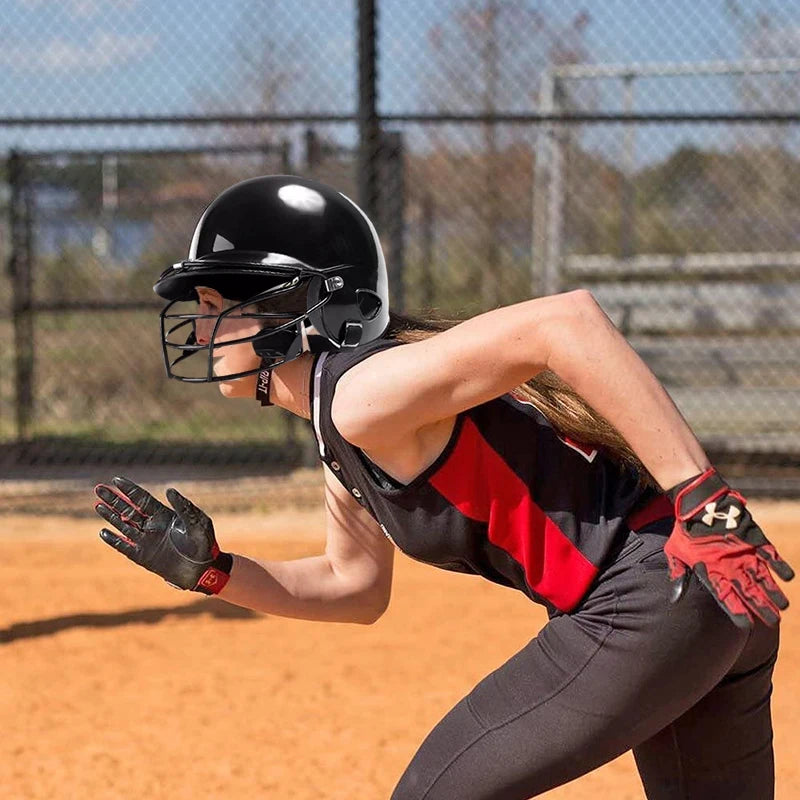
148 616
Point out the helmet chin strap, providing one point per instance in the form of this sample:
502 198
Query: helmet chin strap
263 384
264 380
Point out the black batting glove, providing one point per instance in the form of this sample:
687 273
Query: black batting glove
176 543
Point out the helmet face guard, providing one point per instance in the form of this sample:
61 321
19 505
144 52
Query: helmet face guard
284 335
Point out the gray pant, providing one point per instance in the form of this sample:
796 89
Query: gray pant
681 685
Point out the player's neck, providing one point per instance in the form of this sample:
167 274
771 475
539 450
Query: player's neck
291 385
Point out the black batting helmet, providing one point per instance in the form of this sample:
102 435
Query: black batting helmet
266 241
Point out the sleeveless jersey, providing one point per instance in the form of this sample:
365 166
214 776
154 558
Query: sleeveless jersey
507 498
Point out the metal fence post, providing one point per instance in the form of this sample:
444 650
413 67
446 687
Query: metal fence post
286 156
627 247
313 150
103 239
368 121
541 187
553 282
20 270
393 213
427 235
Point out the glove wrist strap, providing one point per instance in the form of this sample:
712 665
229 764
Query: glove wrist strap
216 576
690 496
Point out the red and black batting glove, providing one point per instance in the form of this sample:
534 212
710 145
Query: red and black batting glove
716 538
179 545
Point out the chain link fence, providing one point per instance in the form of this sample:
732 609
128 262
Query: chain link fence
506 148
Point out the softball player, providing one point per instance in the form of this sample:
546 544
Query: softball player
596 501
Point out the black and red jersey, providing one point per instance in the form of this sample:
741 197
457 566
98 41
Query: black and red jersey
508 498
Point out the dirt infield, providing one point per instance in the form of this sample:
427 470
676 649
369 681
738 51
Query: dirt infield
117 686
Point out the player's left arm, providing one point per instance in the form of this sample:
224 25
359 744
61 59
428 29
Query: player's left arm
402 389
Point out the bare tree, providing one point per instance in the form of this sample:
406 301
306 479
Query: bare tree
764 35
489 56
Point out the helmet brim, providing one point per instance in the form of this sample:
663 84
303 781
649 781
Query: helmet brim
238 282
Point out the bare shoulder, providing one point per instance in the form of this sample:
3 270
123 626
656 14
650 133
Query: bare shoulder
393 394
402 448
355 399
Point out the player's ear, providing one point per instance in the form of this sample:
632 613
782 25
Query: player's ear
211 298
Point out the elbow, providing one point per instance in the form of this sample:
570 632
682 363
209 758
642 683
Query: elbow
587 315
573 304
580 302
576 315
368 619
371 609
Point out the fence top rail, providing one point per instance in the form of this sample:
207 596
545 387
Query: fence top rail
664 69
525 118
692 264
161 152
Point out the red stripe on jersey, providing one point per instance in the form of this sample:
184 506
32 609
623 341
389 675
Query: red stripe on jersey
477 481
655 510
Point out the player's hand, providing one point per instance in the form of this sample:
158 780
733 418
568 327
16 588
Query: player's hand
176 543
715 536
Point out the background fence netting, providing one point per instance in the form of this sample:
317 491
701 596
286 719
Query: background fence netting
505 148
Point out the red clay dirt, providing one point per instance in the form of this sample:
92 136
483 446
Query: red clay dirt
117 686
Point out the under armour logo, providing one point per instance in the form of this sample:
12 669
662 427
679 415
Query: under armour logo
730 516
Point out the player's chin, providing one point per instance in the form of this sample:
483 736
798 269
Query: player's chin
239 387
227 388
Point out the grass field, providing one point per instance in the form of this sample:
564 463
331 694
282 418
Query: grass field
117 686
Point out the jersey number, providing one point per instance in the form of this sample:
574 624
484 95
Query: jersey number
587 451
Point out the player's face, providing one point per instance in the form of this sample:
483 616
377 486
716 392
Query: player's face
231 358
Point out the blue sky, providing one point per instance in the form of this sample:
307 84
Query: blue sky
120 57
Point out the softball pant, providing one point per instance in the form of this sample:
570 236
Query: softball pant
679 684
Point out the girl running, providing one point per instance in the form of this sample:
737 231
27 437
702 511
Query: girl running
529 445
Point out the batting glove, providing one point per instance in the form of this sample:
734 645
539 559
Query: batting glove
715 536
179 545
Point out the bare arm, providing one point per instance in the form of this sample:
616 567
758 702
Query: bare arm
592 356
404 388
350 582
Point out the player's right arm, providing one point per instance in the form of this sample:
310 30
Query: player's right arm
349 582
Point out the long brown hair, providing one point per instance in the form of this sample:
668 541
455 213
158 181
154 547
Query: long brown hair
563 407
